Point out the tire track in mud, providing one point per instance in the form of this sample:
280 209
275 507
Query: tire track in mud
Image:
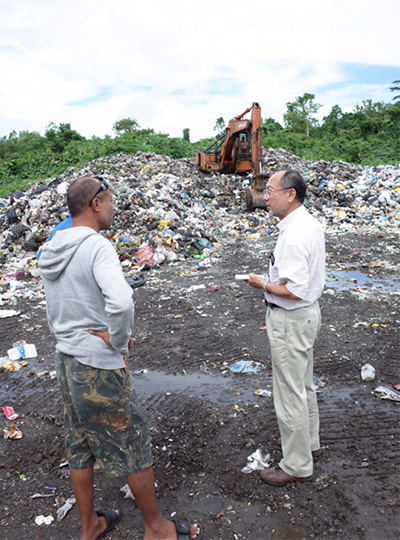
196 336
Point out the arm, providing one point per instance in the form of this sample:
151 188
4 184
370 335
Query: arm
259 282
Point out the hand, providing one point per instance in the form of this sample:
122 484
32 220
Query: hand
256 281
102 334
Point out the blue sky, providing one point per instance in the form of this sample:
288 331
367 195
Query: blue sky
176 64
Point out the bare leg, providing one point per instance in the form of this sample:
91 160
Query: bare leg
156 527
92 524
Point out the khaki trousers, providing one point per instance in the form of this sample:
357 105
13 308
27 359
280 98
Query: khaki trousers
291 337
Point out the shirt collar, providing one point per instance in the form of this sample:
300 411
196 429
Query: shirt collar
282 225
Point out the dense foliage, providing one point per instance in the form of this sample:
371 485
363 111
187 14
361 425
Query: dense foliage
369 135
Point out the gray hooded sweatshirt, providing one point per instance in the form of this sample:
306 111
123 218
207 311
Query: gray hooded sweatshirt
85 290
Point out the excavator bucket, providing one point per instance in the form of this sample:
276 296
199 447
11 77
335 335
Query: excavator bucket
254 195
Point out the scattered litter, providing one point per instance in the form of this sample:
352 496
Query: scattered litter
42 373
4 313
196 288
127 492
42 520
247 366
181 215
41 495
263 393
140 372
387 393
396 386
367 372
145 256
66 507
11 432
256 462
9 413
25 350
13 366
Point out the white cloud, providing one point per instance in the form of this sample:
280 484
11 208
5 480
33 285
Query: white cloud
178 64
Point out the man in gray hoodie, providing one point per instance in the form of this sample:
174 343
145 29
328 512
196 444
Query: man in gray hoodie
90 313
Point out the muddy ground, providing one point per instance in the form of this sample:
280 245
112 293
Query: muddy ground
205 420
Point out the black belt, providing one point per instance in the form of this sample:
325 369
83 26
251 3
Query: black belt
271 305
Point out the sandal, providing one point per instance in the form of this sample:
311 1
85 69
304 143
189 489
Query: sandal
112 518
183 530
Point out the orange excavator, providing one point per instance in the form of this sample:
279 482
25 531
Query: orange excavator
238 151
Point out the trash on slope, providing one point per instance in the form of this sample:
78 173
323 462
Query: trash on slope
256 462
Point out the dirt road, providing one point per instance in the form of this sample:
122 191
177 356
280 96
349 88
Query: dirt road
205 421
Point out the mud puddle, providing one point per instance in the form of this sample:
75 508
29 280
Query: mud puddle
349 280
212 388
240 389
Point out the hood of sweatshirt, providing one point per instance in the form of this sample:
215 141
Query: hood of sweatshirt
57 254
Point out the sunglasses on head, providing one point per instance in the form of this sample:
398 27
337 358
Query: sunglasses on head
103 187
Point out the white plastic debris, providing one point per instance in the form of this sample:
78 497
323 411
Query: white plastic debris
368 372
127 492
196 288
387 393
44 520
5 313
27 350
262 392
62 511
247 366
256 462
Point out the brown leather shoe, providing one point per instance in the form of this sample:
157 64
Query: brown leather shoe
315 453
277 477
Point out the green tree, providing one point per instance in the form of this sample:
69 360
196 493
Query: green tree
125 125
300 114
270 126
186 135
24 142
60 136
331 123
396 88
219 125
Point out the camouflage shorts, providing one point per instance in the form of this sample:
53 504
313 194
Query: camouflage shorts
102 419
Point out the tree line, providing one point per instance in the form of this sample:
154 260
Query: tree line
369 135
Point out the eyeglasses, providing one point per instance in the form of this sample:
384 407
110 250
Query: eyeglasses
103 187
267 191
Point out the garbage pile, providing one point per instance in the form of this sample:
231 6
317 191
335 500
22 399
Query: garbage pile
173 211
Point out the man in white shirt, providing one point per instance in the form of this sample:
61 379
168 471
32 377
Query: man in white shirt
292 287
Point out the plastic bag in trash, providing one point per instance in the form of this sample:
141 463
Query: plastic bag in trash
127 492
144 255
256 462
62 511
387 393
247 366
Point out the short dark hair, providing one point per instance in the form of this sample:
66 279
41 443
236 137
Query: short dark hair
293 179
79 194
